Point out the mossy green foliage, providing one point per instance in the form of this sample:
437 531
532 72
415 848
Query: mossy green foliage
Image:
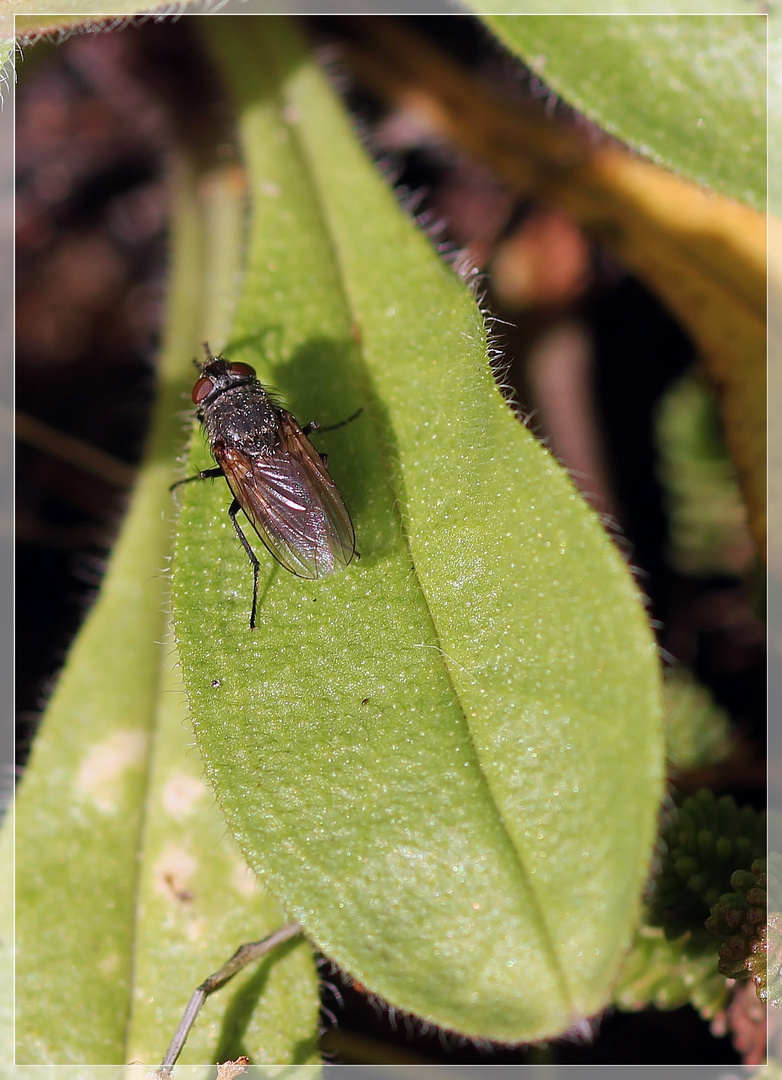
739 918
665 973
446 761
666 970
702 842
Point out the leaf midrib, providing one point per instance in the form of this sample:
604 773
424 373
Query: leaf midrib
399 501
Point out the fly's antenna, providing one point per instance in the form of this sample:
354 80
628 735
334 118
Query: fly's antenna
197 363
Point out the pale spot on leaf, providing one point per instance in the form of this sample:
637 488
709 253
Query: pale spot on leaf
173 873
180 795
108 966
102 769
196 929
243 880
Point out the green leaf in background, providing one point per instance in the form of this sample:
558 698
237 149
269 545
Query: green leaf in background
707 531
129 892
687 91
447 760
698 731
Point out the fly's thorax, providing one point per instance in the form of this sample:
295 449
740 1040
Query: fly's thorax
243 418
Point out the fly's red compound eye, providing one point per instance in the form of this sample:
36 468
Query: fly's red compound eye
201 389
243 369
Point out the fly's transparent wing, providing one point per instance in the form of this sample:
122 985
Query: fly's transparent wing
292 503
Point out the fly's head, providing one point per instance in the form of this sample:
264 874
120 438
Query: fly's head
218 375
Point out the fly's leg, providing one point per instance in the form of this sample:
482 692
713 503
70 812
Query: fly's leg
209 474
315 426
243 956
205 474
232 512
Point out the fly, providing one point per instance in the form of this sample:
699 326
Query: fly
275 474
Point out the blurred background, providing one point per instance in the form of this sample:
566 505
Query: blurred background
586 355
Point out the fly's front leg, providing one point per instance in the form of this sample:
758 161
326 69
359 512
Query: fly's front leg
205 474
232 512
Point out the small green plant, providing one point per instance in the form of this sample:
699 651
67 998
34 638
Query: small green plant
446 765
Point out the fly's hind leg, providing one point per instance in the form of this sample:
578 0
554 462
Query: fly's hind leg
232 512
315 426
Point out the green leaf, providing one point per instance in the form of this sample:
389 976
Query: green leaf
447 760
128 890
80 809
197 901
687 91
7 936
23 22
